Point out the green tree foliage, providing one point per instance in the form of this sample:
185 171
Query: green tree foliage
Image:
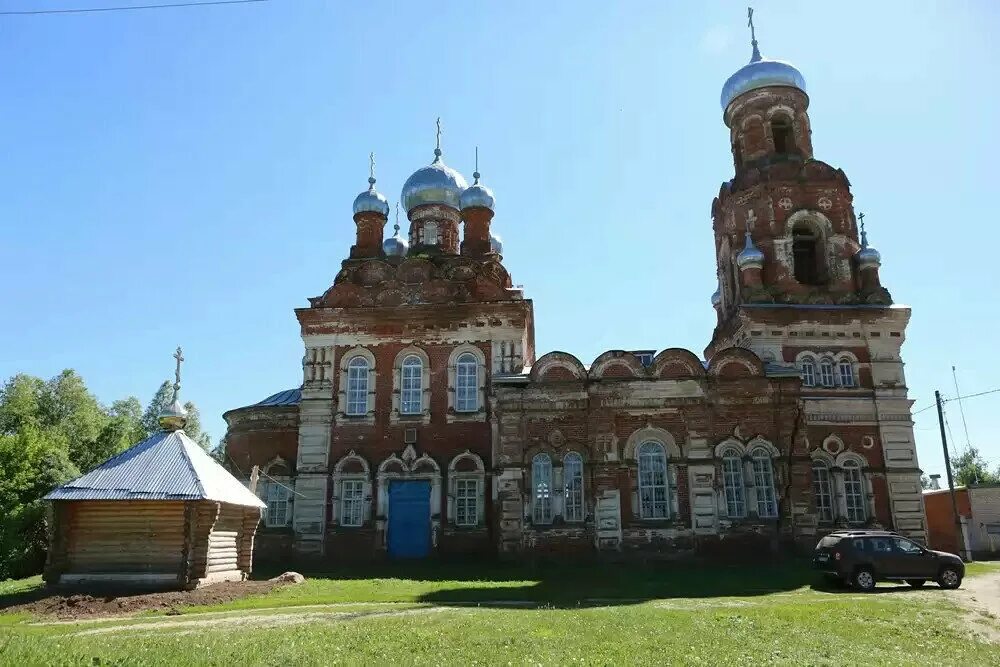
50 432
972 468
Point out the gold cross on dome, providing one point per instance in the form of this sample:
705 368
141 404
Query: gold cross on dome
179 356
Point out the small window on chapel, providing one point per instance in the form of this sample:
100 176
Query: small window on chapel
805 252
431 233
784 138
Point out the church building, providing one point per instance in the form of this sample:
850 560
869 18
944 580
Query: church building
427 424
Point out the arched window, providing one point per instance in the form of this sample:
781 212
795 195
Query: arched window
653 498
467 383
430 233
352 498
541 483
573 485
783 135
854 491
808 372
763 481
822 490
411 386
732 484
826 372
357 386
806 254
846 371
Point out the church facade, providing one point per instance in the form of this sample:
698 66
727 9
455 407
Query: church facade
428 425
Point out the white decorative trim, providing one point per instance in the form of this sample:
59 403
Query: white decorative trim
341 417
651 434
479 476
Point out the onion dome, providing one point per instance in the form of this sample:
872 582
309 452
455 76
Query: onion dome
716 298
396 245
371 200
758 73
496 244
477 195
750 257
867 257
173 417
437 183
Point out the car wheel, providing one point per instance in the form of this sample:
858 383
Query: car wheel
949 577
916 583
864 579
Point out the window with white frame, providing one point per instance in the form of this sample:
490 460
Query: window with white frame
430 233
357 386
763 480
541 484
732 484
653 497
466 502
822 490
826 372
352 498
277 505
808 372
854 491
573 487
411 386
845 370
467 383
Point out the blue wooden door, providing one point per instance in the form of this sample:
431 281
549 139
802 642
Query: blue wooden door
409 519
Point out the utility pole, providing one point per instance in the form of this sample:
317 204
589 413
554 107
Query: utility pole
947 467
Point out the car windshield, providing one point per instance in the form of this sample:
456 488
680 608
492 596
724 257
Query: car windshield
827 542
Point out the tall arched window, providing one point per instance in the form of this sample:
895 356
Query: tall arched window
783 135
826 372
573 485
763 481
411 386
822 490
806 254
808 372
732 484
467 383
357 386
846 371
854 491
541 484
430 233
653 498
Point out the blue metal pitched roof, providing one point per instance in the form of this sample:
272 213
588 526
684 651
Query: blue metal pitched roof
167 465
286 397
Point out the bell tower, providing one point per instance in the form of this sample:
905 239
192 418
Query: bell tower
799 285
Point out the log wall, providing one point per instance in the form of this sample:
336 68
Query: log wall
126 536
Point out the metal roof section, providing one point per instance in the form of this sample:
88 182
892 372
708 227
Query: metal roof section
167 465
286 397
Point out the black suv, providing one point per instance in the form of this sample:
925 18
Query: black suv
863 557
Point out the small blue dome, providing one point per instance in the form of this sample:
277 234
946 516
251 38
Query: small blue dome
477 195
395 245
750 256
371 200
867 257
496 244
716 297
758 73
437 183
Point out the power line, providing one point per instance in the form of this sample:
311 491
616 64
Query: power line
961 409
87 10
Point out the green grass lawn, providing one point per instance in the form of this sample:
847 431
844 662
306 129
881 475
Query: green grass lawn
491 614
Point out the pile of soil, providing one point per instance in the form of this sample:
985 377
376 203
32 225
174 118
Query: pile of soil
109 602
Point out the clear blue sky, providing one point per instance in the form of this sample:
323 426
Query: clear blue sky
185 176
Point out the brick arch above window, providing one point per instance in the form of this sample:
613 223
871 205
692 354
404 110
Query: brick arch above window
651 434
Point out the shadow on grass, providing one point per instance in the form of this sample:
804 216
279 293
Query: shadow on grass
561 585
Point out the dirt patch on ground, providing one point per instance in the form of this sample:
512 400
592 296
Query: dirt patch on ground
980 597
109 602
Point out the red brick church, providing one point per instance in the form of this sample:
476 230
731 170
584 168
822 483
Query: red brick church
427 423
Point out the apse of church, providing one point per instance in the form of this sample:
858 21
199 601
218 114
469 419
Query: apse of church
425 425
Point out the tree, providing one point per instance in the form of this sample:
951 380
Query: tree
972 468
925 481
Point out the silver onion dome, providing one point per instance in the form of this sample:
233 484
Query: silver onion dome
750 256
496 244
867 257
716 298
477 195
371 200
437 183
395 245
758 73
